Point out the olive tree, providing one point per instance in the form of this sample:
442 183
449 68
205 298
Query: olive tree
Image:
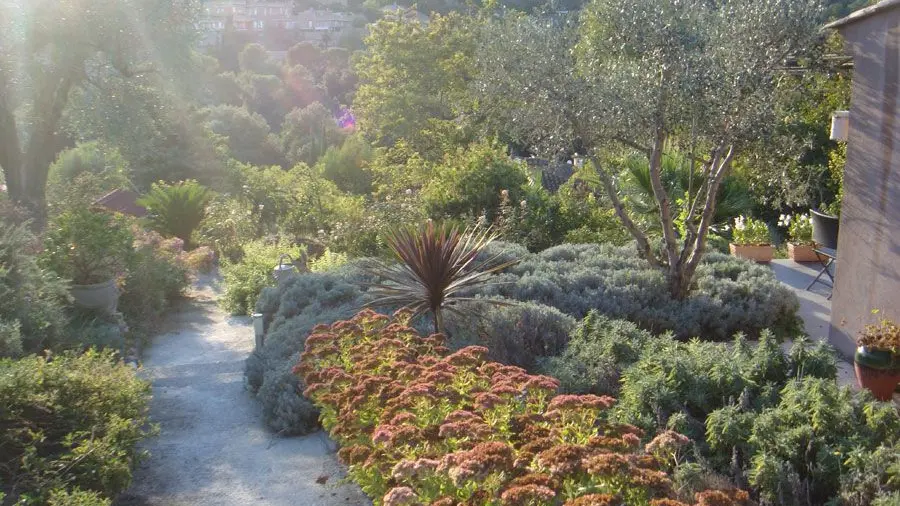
647 76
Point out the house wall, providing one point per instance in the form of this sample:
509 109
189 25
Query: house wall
868 268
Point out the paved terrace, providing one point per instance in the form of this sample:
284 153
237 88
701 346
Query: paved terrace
815 308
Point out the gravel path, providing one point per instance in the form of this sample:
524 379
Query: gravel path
213 448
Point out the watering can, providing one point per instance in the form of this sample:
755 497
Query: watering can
284 270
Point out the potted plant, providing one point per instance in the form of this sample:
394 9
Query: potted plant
877 359
750 240
91 249
801 247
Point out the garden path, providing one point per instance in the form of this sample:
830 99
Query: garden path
213 448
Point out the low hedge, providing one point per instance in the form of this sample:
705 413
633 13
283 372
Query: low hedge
730 295
419 425
69 426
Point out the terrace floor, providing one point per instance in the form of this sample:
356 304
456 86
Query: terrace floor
815 307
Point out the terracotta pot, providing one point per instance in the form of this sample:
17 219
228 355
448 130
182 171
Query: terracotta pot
802 253
878 371
757 252
101 296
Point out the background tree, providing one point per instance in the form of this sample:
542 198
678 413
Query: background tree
247 135
347 165
817 85
414 80
255 59
51 48
307 54
307 133
644 77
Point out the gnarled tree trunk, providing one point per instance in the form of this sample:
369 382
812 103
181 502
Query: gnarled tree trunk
26 170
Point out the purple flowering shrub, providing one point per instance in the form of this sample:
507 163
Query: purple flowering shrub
419 425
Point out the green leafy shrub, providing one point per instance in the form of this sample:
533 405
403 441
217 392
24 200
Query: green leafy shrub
599 350
228 224
76 497
442 428
800 447
88 247
89 329
731 295
363 234
244 280
470 182
82 174
70 426
759 415
157 275
176 209
870 475
328 260
692 379
32 300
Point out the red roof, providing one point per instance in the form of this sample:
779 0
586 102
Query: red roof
122 201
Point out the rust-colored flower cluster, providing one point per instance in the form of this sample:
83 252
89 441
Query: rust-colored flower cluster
419 425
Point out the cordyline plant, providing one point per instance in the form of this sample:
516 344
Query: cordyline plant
421 426
438 263
632 78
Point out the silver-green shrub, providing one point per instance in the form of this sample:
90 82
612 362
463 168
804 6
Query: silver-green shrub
515 333
295 308
731 295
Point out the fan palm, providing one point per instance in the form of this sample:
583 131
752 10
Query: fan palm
733 198
438 265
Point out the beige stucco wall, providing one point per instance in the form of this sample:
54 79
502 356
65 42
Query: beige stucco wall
868 268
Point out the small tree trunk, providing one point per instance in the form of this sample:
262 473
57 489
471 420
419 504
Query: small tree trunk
679 282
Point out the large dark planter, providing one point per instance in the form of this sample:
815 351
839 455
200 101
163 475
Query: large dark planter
878 371
100 297
825 229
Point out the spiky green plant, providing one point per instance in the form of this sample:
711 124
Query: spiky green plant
678 179
176 209
438 265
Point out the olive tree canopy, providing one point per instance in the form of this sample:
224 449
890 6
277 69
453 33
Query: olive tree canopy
647 76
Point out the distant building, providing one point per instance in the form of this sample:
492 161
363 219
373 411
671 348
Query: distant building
274 22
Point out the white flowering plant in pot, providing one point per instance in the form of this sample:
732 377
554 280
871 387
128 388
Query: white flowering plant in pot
750 240
800 244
